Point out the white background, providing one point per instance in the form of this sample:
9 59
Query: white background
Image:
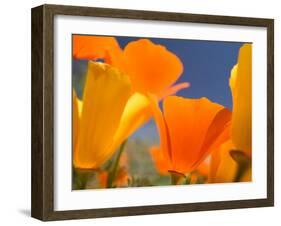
15 112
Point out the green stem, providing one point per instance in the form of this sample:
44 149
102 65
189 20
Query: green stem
113 171
241 169
188 178
81 178
243 163
176 177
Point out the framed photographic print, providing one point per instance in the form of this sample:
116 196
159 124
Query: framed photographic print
140 112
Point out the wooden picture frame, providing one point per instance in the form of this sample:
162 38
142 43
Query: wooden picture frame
42 204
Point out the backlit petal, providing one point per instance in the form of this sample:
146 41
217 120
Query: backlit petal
75 119
188 121
204 168
106 93
91 47
173 90
137 112
163 132
227 167
161 163
151 67
215 151
241 86
218 132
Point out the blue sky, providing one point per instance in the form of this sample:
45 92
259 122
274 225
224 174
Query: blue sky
207 66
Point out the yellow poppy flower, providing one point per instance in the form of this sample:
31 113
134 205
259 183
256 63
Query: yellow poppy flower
241 87
106 93
241 124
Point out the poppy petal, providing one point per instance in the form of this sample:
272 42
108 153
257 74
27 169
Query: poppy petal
227 167
161 126
106 93
75 118
218 132
91 47
152 68
241 87
173 90
188 121
161 163
137 112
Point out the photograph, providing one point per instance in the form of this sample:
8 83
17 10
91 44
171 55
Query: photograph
150 111
140 112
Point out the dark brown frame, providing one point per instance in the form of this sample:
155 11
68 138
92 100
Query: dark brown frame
42 203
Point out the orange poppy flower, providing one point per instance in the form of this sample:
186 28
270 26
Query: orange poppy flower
189 129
